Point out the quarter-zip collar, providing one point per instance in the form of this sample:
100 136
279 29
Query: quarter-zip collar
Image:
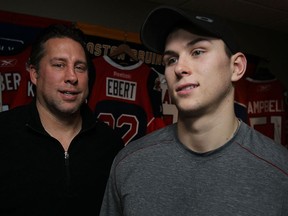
34 122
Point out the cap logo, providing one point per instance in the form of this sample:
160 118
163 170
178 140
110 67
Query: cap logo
205 19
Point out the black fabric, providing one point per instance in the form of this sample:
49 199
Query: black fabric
35 179
161 20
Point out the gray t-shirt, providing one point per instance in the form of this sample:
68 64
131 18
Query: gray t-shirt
158 176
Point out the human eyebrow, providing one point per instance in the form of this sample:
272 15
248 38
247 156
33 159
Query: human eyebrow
55 59
197 40
169 52
81 62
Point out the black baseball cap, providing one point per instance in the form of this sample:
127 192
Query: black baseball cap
161 21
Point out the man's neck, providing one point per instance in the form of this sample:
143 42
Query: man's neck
62 128
204 134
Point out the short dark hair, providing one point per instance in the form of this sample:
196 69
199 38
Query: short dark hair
55 31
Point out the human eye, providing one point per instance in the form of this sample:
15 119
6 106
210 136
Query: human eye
197 52
58 65
81 67
169 60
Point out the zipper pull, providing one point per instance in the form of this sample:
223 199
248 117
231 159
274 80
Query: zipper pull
66 157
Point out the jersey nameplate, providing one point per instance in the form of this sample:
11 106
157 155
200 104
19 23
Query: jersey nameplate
118 88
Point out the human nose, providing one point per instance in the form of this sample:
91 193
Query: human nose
71 76
182 68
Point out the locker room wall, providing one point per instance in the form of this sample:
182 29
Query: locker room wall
128 15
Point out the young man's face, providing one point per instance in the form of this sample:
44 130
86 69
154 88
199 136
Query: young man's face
198 72
62 78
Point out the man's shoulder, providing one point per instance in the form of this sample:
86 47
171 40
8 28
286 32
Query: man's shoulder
154 140
264 148
165 133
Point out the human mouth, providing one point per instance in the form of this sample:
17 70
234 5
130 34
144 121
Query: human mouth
186 88
68 93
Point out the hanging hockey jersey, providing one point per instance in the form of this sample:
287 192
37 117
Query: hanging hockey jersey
170 112
266 104
128 98
15 43
16 86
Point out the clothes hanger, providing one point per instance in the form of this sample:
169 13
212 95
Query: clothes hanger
123 48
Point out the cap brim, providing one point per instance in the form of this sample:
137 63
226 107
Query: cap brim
161 20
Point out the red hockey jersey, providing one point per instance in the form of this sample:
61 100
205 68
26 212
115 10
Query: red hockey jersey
170 112
266 105
128 98
16 86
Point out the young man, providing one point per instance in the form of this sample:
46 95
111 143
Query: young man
208 163
55 156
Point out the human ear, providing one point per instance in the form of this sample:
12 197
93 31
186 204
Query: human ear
239 62
33 73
